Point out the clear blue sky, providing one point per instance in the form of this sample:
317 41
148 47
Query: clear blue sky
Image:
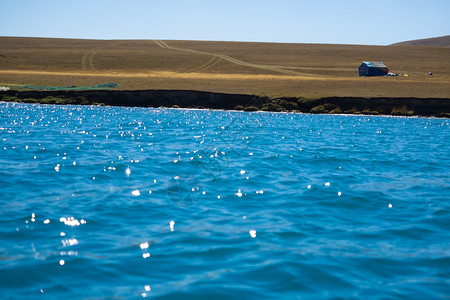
372 22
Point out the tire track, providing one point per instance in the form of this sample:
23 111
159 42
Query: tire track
83 61
275 69
159 44
211 63
87 62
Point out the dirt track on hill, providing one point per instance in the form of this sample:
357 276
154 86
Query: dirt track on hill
275 69
211 63
87 62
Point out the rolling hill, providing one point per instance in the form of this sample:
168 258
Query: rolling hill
273 69
442 41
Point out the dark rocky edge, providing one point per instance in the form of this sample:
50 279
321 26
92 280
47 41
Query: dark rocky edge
429 107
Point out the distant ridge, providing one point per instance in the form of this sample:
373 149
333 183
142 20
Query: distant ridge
442 41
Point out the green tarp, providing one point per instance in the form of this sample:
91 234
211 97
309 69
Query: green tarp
101 86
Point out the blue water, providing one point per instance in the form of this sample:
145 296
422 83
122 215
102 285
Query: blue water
129 203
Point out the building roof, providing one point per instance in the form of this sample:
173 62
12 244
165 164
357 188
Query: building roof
374 64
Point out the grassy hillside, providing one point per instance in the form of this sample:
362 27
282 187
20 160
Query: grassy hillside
272 69
442 41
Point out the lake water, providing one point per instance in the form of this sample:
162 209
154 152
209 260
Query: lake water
129 203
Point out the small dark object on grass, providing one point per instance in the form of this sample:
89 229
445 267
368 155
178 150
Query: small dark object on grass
430 73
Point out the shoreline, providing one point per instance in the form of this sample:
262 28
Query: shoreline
394 106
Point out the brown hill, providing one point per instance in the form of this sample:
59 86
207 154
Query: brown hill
273 69
442 41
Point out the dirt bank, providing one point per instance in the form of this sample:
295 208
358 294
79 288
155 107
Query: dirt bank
430 107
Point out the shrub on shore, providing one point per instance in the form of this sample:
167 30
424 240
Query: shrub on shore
8 98
336 111
251 108
271 106
370 112
402 111
353 111
324 108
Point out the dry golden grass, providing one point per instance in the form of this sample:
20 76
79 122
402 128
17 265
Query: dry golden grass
271 69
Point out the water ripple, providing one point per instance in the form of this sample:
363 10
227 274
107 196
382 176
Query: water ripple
101 202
